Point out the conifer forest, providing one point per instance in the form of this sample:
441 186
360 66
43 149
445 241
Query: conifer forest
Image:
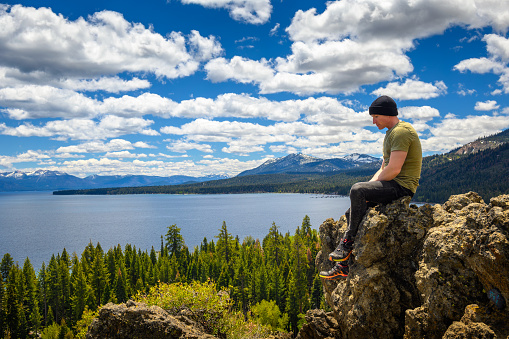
64 294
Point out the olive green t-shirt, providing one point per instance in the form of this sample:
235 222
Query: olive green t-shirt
403 137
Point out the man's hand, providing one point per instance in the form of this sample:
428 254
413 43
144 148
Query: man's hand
389 172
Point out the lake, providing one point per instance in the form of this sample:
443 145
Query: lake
39 224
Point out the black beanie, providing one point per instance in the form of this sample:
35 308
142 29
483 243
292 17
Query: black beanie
384 105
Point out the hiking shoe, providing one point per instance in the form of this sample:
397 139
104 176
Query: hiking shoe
342 252
337 272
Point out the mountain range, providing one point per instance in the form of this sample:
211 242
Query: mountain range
300 163
43 180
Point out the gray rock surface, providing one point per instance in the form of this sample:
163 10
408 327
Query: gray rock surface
139 321
319 325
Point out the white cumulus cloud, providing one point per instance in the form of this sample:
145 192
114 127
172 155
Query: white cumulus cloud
250 11
358 42
81 129
489 105
497 62
413 89
38 44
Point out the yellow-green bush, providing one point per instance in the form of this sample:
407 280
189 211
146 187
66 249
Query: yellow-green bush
81 327
268 313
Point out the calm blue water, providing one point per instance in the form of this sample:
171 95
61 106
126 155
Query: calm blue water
39 224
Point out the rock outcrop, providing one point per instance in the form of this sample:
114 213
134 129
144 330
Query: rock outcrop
420 272
319 325
139 321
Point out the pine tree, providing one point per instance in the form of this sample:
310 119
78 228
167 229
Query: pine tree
53 288
316 292
276 286
240 282
43 294
204 245
184 259
224 242
120 286
272 244
51 316
212 247
306 231
162 250
292 303
224 277
203 266
173 269
192 273
261 281
15 316
153 256
133 271
154 275
99 279
111 259
64 331
35 319
299 268
6 265
164 269
284 290
64 264
30 292
87 258
174 240
80 291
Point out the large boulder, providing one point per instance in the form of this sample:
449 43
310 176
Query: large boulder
415 270
319 325
139 321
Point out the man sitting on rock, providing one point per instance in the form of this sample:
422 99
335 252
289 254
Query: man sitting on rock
397 177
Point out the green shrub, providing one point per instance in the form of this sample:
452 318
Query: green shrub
85 321
51 332
56 331
269 314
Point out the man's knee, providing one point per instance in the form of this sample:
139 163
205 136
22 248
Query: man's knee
357 189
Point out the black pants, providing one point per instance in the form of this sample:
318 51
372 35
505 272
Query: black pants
365 194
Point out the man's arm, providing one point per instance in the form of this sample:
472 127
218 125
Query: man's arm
389 172
375 176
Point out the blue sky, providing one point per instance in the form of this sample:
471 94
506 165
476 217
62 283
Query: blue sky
201 87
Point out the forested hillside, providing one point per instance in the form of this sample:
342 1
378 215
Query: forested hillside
485 172
279 268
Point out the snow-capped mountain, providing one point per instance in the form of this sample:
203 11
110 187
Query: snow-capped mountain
43 180
361 158
300 163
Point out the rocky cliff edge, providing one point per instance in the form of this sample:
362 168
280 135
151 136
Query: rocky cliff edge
420 272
